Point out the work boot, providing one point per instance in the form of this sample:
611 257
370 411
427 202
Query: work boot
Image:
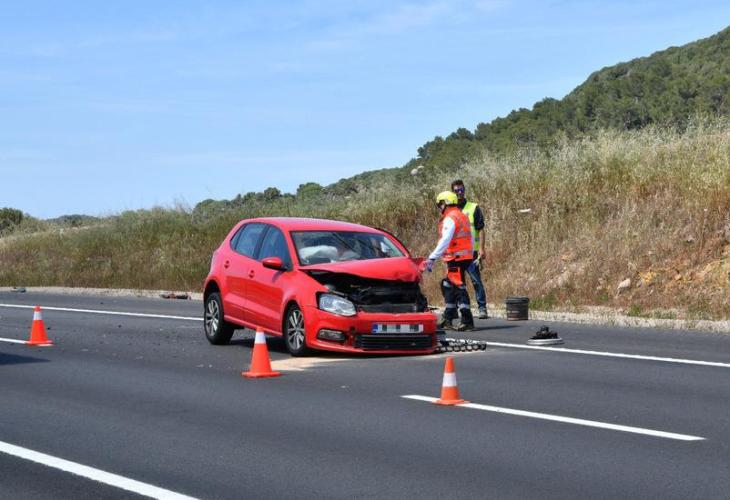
465 327
445 324
483 313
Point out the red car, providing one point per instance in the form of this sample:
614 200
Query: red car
320 284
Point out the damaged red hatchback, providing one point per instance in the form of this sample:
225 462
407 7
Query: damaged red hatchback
320 284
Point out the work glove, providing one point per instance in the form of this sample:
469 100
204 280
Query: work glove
429 265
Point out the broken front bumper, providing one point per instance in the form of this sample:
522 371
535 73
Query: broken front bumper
376 333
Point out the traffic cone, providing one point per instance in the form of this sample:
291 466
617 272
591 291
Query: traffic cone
260 362
449 389
38 330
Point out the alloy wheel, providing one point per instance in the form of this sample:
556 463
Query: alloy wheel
295 330
212 317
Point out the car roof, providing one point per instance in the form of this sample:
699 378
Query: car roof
309 224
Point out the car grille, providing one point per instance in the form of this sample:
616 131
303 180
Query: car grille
393 342
390 308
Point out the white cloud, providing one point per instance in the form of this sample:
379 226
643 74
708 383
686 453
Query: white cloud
20 156
53 49
400 19
407 17
490 5
479 87
245 158
135 37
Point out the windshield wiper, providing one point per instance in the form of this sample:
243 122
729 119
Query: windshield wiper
344 242
378 250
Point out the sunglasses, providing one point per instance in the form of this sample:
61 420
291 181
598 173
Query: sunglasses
460 190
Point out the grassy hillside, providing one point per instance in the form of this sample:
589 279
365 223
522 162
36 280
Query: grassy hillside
663 89
652 206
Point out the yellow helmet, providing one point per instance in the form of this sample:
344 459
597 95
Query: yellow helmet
448 197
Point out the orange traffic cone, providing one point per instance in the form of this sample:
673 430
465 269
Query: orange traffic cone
260 362
38 330
449 389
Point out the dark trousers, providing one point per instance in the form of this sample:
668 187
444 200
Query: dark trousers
474 273
456 297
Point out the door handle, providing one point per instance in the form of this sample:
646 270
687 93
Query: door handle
227 264
251 274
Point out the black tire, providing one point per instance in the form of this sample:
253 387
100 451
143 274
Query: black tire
217 330
295 338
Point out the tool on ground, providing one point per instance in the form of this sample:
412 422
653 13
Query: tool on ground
260 361
38 330
545 336
449 389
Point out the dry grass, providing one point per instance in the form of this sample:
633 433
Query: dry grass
651 206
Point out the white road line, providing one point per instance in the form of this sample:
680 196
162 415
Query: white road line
91 473
612 354
112 313
493 344
569 420
13 341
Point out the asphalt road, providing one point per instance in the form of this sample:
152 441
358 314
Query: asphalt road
149 399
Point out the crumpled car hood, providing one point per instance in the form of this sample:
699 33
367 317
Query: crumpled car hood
395 268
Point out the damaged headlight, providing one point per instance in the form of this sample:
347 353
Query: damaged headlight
336 305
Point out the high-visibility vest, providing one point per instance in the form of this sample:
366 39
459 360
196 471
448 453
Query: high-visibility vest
461 244
469 209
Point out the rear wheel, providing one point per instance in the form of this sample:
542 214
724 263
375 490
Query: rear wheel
217 330
294 335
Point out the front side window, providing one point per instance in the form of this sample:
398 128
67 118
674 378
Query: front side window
248 238
323 247
274 245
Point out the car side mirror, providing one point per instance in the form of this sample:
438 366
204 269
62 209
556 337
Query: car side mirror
274 263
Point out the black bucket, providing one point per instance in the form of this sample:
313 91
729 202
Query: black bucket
517 308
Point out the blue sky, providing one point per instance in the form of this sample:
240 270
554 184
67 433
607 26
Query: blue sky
109 106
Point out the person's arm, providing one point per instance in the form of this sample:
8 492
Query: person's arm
447 232
479 226
482 248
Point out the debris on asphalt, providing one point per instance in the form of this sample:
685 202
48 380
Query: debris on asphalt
173 295
545 336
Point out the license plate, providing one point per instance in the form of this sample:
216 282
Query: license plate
396 328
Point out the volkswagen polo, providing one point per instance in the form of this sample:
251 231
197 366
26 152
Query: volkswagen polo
320 284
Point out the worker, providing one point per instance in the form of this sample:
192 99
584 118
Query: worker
476 221
455 246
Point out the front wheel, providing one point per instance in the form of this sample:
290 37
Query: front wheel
217 330
294 334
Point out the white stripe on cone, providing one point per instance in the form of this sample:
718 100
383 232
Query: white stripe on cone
37 316
449 380
260 337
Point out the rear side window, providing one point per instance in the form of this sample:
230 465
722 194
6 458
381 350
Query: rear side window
247 239
274 245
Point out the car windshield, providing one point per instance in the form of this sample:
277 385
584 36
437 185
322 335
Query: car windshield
324 247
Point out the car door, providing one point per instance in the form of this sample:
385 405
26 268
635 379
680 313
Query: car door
239 266
266 289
